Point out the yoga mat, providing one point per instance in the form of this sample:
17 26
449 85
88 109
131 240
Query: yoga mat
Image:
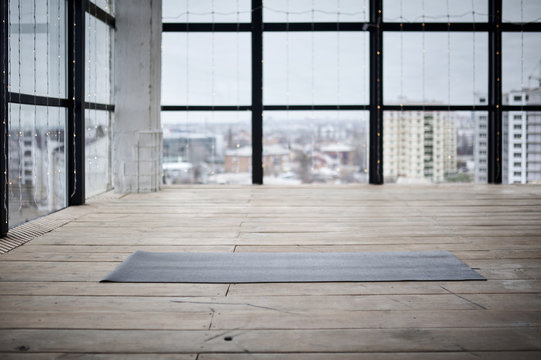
226 268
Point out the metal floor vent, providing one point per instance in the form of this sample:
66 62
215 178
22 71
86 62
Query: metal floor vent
23 233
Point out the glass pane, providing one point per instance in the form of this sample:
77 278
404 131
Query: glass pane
37 177
434 147
98 55
106 5
315 10
315 68
521 10
434 68
522 146
206 69
207 147
97 152
521 67
230 11
435 10
315 147
37 51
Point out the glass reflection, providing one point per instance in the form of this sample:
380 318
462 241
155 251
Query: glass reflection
37 161
98 174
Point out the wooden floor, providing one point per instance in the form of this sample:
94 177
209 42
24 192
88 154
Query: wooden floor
52 305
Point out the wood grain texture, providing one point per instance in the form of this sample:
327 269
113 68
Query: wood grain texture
53 307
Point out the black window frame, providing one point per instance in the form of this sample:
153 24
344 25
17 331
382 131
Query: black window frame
74 102
376 27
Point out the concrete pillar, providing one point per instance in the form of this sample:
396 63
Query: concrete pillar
137 134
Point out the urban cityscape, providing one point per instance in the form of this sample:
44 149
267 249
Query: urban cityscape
300 147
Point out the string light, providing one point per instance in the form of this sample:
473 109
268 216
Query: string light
237 82
188 140
320 11
287 72
423 38
46 140
313 125
95 29
74 29
474 48
448 58
213 90
90 114
400 135
34 140
203 13
59 67
365 85
19 139
521 46
423 77
6 122
523 116
338 88
401 61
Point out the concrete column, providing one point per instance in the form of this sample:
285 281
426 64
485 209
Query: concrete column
137 134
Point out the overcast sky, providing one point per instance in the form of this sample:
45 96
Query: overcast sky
331 67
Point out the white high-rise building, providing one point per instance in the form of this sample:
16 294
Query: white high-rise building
480 145
419 146
522 139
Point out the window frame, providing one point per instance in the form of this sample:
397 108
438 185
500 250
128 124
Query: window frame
74 102
375 27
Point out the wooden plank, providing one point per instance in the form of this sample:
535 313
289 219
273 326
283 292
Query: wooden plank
510 274
373 288
481 259
94 356
510 355
54 271
462 251
377 319
406 228
32 248
26 256
285 341
105 320
271 304
275 239
104 256
55 288
272 289
263 320
504 263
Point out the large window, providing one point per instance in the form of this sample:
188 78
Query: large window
43 110
36 120
421 91
434 91
464 63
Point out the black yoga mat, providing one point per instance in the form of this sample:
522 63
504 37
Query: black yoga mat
158 267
